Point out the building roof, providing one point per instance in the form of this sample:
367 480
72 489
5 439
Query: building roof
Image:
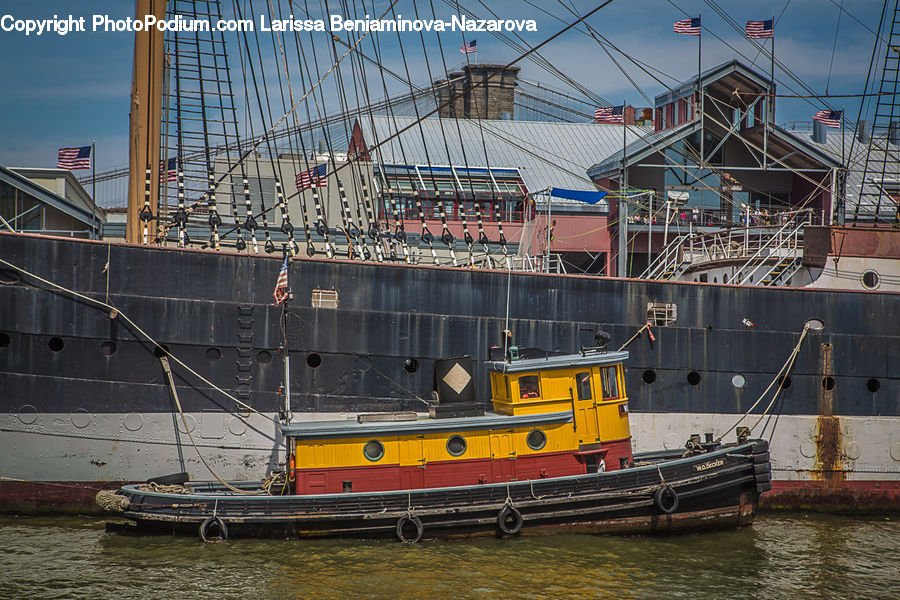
800 153
546 154
79 206
845 148
728 75
640 148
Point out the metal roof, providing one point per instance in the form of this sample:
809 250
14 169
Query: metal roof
546 154
42 194
838 145
565 361
648 143
351 429
711 76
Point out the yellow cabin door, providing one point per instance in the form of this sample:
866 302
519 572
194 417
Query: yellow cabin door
503 457
412 462
585 395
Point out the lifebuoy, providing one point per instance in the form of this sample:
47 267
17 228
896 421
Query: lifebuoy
666 499
403 524
510 520
207 526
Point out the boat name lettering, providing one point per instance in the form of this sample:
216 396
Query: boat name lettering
710 465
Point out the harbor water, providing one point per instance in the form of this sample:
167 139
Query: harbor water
781 556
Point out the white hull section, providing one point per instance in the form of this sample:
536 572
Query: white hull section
133 447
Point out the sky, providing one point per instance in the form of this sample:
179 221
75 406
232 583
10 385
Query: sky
62 91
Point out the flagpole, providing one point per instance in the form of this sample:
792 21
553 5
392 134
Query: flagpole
94 185
700 84
623 203
770 111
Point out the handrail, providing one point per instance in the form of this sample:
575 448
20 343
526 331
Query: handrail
781 244
665 258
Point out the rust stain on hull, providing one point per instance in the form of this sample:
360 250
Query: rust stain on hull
828 466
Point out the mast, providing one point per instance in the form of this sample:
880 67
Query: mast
144 127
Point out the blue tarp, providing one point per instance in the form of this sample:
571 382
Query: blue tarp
581 196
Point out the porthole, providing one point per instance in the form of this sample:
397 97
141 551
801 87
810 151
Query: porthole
56 344
411 365
264 357
108 348
373 450
784 381
649 376
828 383
213 354
873 385
160 351
313 360
4 339
456 445
536 439
815 324
870 280
693 378
738 381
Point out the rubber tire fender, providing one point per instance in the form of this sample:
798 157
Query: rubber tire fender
666 499
401 523
208 523
517 521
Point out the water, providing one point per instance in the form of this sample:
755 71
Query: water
781 556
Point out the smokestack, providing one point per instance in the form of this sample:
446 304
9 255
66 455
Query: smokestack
862 132
820 134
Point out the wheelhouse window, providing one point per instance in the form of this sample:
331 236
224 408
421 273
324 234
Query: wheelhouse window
583 385
529 387
610 383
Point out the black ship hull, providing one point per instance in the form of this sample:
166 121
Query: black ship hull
76 375
714 490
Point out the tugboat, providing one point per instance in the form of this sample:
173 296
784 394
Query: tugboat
553 455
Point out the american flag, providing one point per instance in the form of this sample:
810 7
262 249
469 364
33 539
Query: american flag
74 158
281 284
468 48
687 26
760 29
305 179
610 114
168 172
831 118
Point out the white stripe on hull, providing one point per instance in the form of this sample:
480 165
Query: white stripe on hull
132 447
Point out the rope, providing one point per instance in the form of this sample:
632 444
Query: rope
174 488
639 331
531 482
785 368
168 370
125 317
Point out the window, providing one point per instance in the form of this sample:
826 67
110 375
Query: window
870 280
536 439
583 385
528 387
610 383
456 445
373 450
508 393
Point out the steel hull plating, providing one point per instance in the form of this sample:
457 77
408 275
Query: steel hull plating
709 490
80 412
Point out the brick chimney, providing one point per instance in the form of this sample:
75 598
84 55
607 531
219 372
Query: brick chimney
490 100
